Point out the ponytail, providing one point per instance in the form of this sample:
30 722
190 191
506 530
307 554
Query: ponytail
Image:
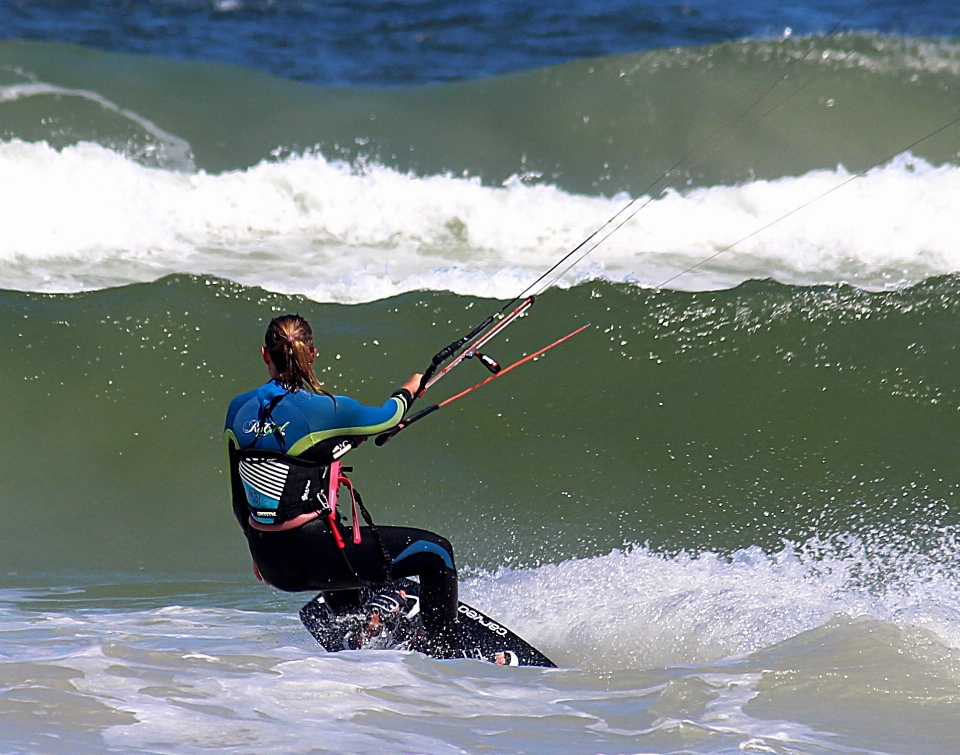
289 341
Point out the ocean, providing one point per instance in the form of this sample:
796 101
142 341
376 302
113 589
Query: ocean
729 511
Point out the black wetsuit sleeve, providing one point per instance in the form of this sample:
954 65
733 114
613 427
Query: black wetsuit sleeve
405 396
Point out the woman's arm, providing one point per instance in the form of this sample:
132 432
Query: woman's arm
352 419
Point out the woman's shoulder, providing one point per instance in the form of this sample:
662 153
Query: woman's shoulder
238 401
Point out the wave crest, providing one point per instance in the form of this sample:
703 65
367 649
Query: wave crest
86 217
638 608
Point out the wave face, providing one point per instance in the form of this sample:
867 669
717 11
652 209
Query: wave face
693 421
593 126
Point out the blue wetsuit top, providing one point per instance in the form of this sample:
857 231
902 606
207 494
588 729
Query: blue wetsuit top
314 427
307 424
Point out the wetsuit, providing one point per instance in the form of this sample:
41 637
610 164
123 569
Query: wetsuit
305 556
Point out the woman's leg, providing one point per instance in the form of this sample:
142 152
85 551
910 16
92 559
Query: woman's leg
430 557
307 558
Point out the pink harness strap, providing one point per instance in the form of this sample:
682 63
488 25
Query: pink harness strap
356 519
338 478
332 504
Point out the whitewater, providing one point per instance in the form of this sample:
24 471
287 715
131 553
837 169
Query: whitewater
86 217
702 650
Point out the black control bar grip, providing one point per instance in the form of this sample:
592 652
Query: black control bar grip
448 351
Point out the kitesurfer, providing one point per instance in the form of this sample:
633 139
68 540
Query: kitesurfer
288 434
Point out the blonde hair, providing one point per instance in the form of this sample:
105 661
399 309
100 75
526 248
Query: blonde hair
289 341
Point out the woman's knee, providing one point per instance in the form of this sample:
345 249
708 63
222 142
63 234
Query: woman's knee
445 544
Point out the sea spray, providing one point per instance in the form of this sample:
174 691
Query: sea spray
639 608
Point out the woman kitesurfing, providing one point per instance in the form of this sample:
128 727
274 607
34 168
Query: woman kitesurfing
285 440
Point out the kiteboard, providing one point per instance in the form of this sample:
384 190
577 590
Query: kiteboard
479 636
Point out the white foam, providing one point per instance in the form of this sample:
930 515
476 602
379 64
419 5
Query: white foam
652 640
86 217
640 609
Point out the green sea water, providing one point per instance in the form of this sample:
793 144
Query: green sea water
693 421
602 125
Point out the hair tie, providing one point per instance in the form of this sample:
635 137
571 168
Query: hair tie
291 340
